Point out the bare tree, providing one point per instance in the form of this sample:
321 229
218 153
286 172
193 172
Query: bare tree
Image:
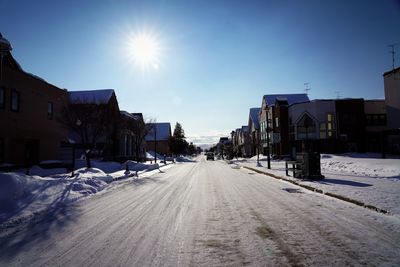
90 123
140 129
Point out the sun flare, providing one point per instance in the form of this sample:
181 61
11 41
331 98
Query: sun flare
145 51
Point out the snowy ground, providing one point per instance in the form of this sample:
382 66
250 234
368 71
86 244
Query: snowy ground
363 177
205 213
24 196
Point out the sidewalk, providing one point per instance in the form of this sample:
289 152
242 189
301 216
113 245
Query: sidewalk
363 179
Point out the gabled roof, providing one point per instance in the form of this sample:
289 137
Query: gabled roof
101 96
133 116
253 115
291 98
162 130
137 116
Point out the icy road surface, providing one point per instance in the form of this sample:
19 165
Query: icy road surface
205 214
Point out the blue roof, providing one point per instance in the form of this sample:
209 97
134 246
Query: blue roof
254 116
163 131
101 96
291 98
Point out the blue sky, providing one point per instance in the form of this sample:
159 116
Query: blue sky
217 58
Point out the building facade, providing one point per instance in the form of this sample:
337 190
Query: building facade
274 123
30 131
157 139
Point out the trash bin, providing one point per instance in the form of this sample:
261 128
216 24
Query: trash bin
308 165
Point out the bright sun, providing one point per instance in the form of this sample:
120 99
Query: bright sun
145 51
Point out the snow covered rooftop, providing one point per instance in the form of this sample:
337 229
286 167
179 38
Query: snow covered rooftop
162 130
254 116
101 96
291 98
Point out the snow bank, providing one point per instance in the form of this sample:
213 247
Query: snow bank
36 170
365 165
183 159
23 195
150 156
105 166
14 185
138 166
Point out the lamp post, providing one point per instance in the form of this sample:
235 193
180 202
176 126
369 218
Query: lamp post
267 130
155 143
5 47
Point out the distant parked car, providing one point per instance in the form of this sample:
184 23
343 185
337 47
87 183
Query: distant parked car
210 156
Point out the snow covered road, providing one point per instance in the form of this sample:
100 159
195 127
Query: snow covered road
205 213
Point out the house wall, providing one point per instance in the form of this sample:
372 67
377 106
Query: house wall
351 124
28 135
162 147
318 110
281 130
392 98
376 124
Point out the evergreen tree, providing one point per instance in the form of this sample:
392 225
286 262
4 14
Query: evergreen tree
177 142
178 131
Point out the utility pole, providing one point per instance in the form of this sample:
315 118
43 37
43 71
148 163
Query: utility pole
337 94
393 52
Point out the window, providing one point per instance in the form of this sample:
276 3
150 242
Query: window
2 97
331 125
277 122
306 128
50 110
376 119
14 100
322 130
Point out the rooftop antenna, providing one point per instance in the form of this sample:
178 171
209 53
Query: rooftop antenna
337 94
307 88
393 52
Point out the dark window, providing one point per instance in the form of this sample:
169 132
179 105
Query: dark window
14 100
2 97
376 119
50 110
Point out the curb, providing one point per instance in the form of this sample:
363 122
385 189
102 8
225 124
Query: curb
319 191
136 173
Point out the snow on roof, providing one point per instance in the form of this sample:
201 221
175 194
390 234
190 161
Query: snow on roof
291 98
254 116
223 139
101 96
162 130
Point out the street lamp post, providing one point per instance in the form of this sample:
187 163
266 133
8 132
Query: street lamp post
267 130
155 143
5 47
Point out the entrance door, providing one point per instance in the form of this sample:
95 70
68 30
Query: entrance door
31 152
